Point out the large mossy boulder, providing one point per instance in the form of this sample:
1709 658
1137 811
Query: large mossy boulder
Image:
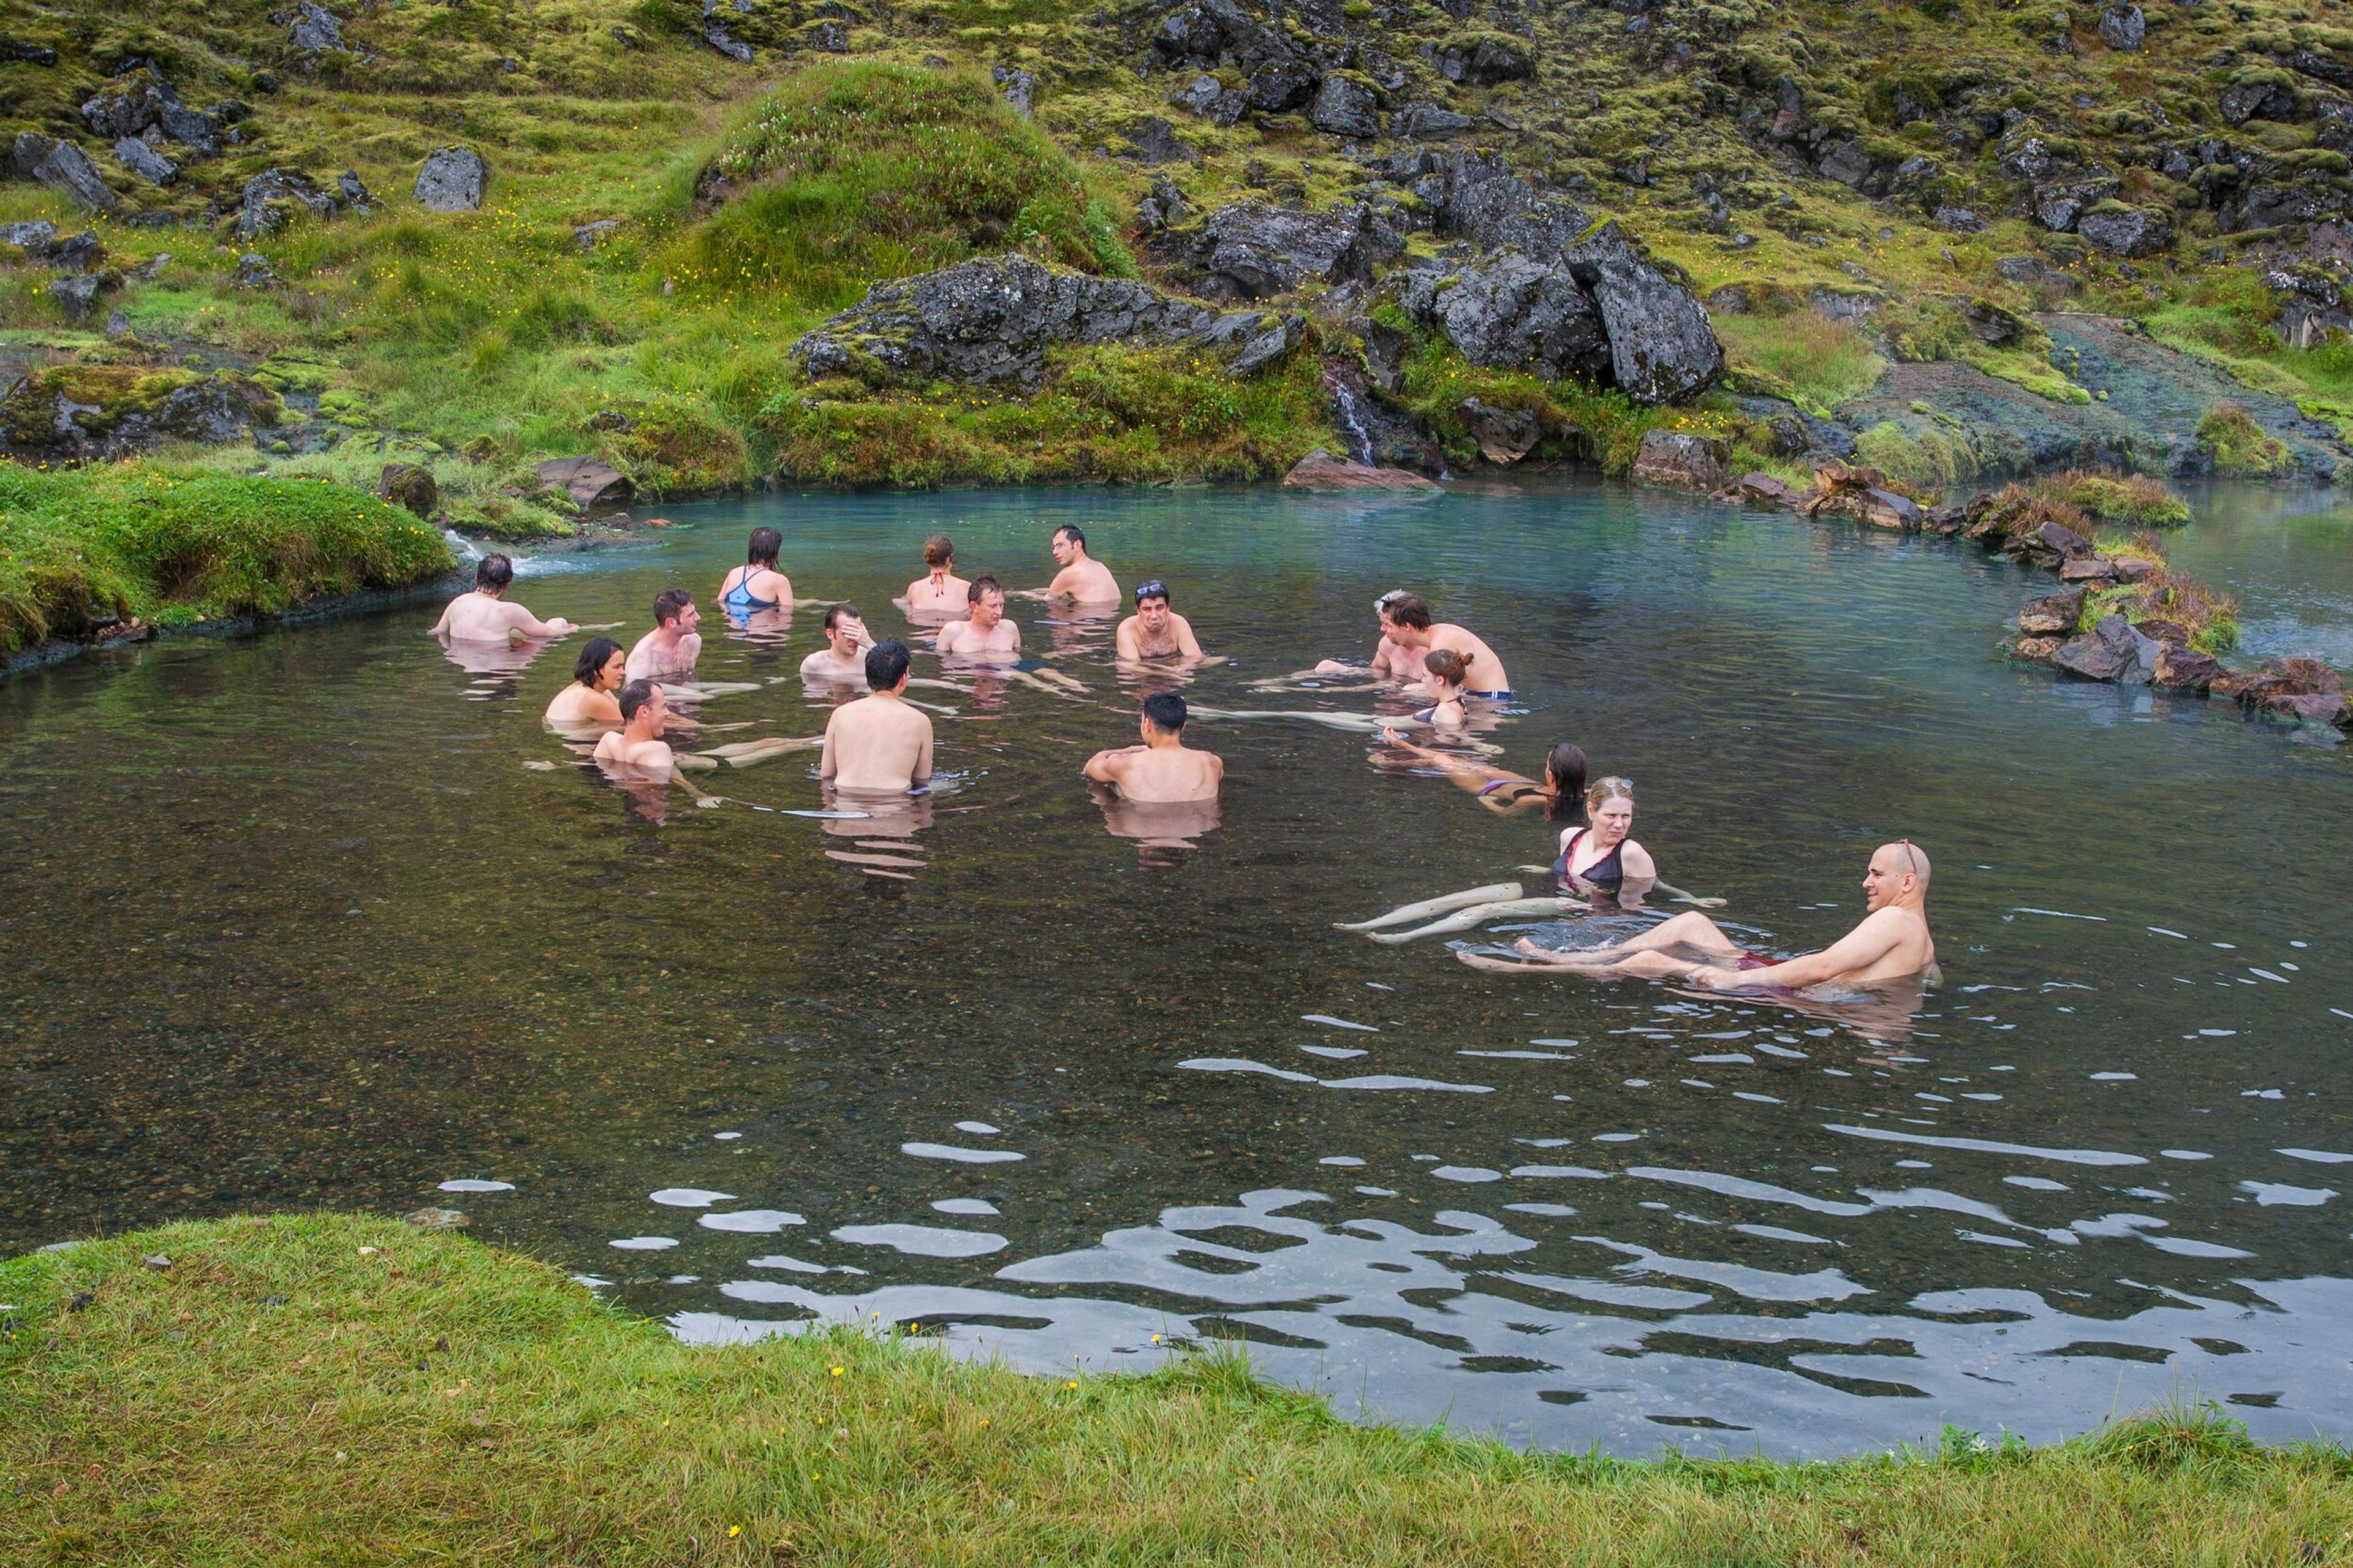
990 322
451 180
80 412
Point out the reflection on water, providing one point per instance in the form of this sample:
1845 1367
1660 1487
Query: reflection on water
1014 1063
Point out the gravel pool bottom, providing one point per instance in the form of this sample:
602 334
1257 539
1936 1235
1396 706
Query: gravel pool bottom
324 918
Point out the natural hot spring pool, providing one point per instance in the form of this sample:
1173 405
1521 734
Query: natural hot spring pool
291 922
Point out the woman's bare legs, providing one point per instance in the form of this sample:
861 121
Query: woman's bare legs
1406 914
1690 929
1647 964
1478 915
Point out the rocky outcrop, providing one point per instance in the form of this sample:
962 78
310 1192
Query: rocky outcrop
451 180
411 487
81 411
1676 460
1251 250
66 168
1319 471
2121 230
315 30
1505 435
144 163
274 197
1662 348
1515 313
596 487
989 322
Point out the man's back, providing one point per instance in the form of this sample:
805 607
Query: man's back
879 744
1909 949
1169 773
654 756
1089 582
1486 672
474 617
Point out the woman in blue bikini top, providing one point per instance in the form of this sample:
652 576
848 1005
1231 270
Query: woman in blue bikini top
757 584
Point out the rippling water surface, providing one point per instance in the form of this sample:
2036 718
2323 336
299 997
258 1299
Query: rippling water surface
310 920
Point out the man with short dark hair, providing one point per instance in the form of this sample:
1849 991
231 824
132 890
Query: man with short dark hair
638 743
673 645
984 633
878 743
1407 622
1082 578
482 614
1156 630
1164 768
842 659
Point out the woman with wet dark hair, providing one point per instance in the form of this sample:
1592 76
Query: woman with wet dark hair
757 584
1505 792
589 700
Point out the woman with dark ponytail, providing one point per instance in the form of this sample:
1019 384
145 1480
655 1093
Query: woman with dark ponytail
1505 792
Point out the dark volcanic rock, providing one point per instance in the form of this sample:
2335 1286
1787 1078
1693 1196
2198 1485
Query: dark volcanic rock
2257 100
1155 143
36 238
1514 313
90 413
2057 207
411 487
1250 250
726 43
2064 541
77 297
275 195
2053 617
1676 460
254 271
1662 348
451 180
1346 108
2123 27
2121 230
1019 88
66 168
316 29
85 252
1428 122
1505 435
1485 63
1208 98
1280 86
987 322
145 162
2180 668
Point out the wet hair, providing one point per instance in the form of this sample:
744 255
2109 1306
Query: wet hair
1073 533
669 602
1609 789
939 550
493 571
1155 589
634 696
886 664
1165 711
763 549
593 659
836 615
1409 610
1564 771
986 583
1447 665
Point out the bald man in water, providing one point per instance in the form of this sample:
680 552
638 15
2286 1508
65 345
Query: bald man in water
1892 944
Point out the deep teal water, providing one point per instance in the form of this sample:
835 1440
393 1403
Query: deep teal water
309 919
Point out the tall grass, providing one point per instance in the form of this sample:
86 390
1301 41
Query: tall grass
1815 363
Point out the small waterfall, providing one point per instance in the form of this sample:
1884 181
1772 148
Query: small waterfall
462 547
1351 409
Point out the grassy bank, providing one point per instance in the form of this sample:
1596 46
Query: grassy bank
333 1389
85 550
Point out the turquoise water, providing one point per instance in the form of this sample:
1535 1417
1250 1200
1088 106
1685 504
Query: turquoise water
323 918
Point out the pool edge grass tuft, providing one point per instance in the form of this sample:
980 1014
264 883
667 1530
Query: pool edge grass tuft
338 1388
84 550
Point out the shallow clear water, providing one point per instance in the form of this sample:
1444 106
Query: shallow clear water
308 919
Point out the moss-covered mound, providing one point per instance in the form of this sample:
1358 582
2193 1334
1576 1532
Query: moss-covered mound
326 1389
84 550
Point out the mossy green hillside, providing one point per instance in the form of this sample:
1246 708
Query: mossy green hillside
339 1390
84 549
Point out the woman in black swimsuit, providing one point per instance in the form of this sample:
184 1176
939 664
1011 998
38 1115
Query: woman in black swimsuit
1595 860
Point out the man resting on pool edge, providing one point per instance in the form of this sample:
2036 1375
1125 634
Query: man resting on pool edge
1890 944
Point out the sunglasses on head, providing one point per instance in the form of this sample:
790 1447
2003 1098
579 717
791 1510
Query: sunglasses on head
1156 589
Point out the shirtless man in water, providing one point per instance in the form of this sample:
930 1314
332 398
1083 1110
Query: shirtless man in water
880 743
638 743
1407 623
483 615
941 592
1164 768
985 631
842 659
673 645
1082 578
1390 662
1890 944
1156 630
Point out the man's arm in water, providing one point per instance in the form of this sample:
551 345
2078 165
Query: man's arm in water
531 625
921 772
443 626
1124 642
1865 945
825 764
1187 644
1109 765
